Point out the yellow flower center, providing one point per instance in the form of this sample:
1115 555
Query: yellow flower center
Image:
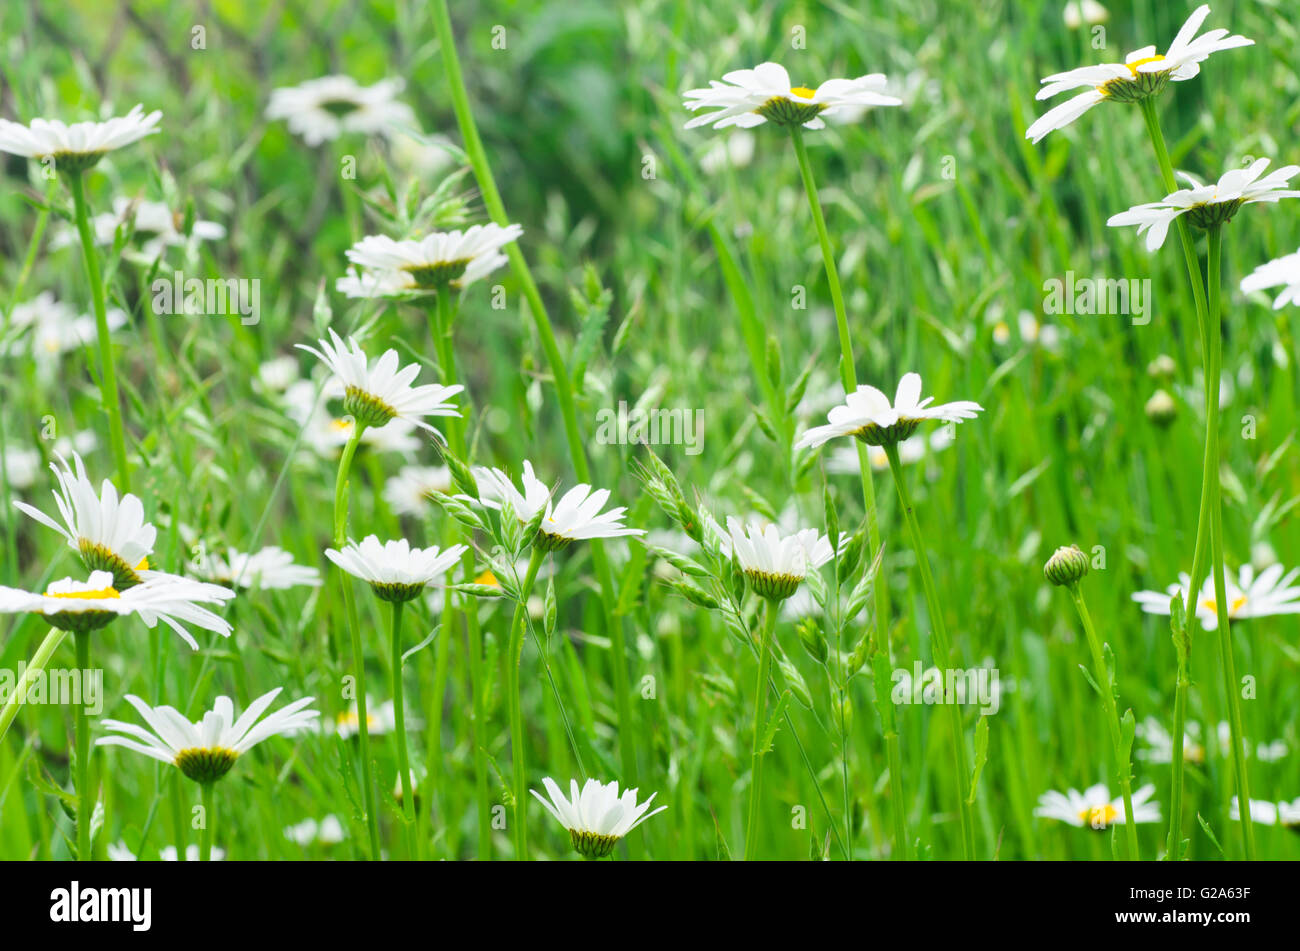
488 577
803 92
1133 66
144 565
1213 606
1099 817
96 595
352 720
342 425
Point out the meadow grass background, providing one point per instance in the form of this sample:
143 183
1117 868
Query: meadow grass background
584 96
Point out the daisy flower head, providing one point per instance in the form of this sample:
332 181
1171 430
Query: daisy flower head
381 718
84 606
1143 74
776 564
270 569
1283 272
576 517
443 259
154 227
206 749
1249 595
750 97
328 831
596 816
321 110
1269 813
867 414
1094 808
1209 206
395 570
76 147
376 394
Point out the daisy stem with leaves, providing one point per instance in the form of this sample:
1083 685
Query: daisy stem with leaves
85 799
107 373
478 160
354 627
399 727
940 648
757 752
513 659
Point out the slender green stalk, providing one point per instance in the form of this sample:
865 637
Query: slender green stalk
208 797
399 726
1213 267
757 755
898 811
34 668
85 798
107 373
627 736
354 626
940 648
513 659
1107 686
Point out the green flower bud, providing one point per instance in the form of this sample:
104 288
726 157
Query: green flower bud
1066 566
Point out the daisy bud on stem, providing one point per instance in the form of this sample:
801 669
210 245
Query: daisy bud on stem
1066 568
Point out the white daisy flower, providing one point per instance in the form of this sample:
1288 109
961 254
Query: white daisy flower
1283 272
51 328
367 285
575 517
78 146
155 227
395 570
206 749
277 374
734 151
1080 12
597 816
455 258
775 564
750 97
321 110
1144 73
271 569
1249 596
867 414
408 492
380 719
1208 206
375 395
1094 808
1269 813
84 606
1160 744
328 831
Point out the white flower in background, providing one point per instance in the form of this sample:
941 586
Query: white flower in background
328 831
422 156
380 719
1079 12
437 260
1032 332
154 226
1283 272
408 492
47 328
395 570
775 564
1094 808
277 374
867 414
368 285
377 394
597 816
1160 744
844 459
750 97
1249 596
270 569
1269 813
1208 206
734 151
206 750
1144 73
576 517
120 852
321 110
78 146
89 605
24 464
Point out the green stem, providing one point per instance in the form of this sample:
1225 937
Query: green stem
1213 268
208 797
399 726
85 800
940 648
107 373
513 659
757 755
354 626
33 670
478 160
898 812
1107 686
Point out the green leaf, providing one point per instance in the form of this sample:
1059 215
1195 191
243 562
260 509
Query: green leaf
981 756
